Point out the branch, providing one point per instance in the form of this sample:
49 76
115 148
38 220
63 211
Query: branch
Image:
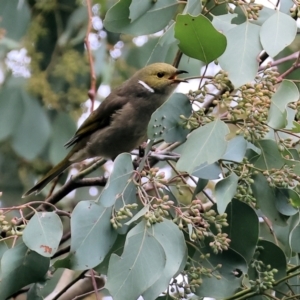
92 91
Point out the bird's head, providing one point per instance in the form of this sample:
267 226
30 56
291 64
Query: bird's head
159 77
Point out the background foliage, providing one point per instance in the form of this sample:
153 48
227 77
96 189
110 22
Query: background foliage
213 212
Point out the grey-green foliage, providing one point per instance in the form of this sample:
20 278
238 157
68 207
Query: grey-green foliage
220 204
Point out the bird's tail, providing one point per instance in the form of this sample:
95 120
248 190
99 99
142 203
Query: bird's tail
55 171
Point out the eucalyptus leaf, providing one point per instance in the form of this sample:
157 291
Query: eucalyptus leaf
173 242
240 56
287 92
243 222
92 236
265 197
207 144
140 265
20 267
119 182
165 122
43 233
225 190
154 18
277 32
208 43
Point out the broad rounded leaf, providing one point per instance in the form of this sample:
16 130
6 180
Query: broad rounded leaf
231 262
206 171
173 242
270 156
243 222
284 201
207 43
92 236
287 92
206 144
14 18
240 57
140 265
265 196
277 32
43 233
225 190
157 16
20 267
236 149
165 121
11 110
119 183
34 130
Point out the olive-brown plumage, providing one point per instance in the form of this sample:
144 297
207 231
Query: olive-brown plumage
120 123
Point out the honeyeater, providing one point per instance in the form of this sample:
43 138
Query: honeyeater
120 123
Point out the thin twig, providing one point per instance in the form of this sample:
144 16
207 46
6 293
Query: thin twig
92 91
94 284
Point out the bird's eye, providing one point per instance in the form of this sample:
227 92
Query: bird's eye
160 74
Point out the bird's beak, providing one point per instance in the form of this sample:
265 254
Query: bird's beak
178 80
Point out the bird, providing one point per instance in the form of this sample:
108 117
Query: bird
119 124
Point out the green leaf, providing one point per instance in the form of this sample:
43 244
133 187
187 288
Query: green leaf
11 107
63 128
92 236
243 222
265 197
285 235
165 121
206 144
225 190
14 18
43 233
286 200
236 149
209 172
240 57
264 14
173 242
119 182
33 132
207 43
272 255
20 267
154 19
117 249
139 7
277 32
286 5
223 22
193 7
140 265
162 47
287 92
231 262
270 156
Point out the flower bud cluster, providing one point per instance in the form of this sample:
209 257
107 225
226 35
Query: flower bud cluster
220 243
244 171
122 214
282 178
201 225
9 228
265 274
253 101
159 210
195 274
295 10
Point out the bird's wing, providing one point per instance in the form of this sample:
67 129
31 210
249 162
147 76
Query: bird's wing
100 118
